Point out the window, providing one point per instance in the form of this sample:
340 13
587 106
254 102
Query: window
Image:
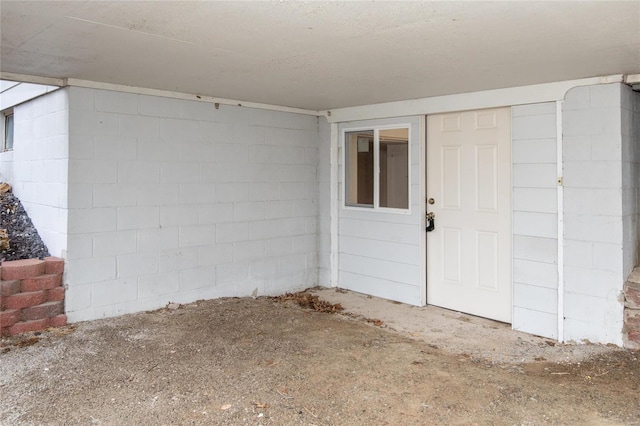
8 131
377 168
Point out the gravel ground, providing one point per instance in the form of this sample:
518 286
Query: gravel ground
23 237
269 361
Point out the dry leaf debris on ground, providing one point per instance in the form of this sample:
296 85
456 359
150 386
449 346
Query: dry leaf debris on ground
257 361
310 301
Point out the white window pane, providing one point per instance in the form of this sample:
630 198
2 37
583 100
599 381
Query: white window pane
8 132
394 168
359 158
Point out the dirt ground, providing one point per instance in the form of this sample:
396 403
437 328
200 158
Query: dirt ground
265 361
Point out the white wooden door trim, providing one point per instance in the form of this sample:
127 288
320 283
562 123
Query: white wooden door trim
469 176
423 208
522 95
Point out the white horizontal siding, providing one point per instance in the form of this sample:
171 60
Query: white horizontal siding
376 268
379 251
382 231
376 249
380 287
535 219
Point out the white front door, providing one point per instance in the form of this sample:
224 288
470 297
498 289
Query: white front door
469 184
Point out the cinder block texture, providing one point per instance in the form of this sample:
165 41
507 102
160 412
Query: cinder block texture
37 168
630 151
595 248
181 202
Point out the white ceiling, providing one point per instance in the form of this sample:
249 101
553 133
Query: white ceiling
320 55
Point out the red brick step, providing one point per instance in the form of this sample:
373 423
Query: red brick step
45 310
7 288
27 326
25 300
55 294
53 265
31 295
20 269
8 318
43 282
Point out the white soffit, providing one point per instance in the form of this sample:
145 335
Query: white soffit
320 55
12 93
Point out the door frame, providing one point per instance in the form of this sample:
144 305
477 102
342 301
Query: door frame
423 208
423 205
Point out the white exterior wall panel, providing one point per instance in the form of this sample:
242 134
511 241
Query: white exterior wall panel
372 244
593 184
154 199
37 167
630 152
535 219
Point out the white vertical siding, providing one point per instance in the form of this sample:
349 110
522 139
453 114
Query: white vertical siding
379 252
535 219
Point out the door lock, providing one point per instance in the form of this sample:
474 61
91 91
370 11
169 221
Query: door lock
430 221
431 201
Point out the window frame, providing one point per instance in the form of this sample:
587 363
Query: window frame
376 168
5 115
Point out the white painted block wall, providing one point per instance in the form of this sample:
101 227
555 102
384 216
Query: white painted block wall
630 115
174 200
379 253
593 205
37 166
535 219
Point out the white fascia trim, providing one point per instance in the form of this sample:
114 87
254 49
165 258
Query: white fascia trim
186 96
632 79
423 209
24 78
23 92
522 95
334 214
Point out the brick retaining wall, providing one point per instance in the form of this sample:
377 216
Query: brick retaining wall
31 295
631 331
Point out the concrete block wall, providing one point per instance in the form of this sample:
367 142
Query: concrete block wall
630 116
175 200
594 269
535 219
37 168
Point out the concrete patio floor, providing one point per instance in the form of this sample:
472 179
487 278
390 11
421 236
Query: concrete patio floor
459 333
